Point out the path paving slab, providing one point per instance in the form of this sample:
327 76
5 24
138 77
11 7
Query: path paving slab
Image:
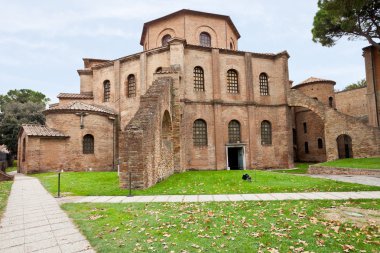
34 222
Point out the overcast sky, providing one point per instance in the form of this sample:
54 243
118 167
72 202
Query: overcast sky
42 42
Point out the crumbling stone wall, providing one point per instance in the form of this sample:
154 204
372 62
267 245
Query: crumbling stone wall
148 153
365 139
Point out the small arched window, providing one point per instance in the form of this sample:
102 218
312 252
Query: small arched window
234 131
232 81
131 86
199 79
264 87
200 133
266 133
205 39
106 91
23 150
159 70
331 100
88 144
320 143
165 40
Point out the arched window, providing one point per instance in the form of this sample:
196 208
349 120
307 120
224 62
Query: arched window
232 81
320 143
200 133
266 133
306 147
205 39
331 101
234 131
106 90
88 144
159 70
131 86
165 40
23 150
264 88
199 80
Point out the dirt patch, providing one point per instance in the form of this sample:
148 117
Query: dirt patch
357 216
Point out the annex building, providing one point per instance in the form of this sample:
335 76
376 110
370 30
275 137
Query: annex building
192 101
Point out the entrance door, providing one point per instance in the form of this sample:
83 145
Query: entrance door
235 158
344 143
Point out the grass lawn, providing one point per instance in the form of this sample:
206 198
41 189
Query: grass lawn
300 168
195 182
5 189
272 226
13 168
361 163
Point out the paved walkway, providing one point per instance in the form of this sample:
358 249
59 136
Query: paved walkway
34 222
227 197
367 180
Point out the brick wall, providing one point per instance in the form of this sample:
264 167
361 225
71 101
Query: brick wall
353 102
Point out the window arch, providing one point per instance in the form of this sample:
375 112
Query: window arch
264 86
131 86
266 133
165 40
200 132
106 91
331 100
232 81
199 80
320 143
234 131
205 39
88 144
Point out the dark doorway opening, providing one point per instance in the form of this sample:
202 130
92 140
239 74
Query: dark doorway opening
344 143
235 158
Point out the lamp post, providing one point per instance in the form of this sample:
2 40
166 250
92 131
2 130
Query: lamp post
59 183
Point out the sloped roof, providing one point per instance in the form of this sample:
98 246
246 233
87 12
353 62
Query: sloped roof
79 106
75 95
41 131
187 11
312 79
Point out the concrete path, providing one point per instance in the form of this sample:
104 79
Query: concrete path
226 197
367 180
34 222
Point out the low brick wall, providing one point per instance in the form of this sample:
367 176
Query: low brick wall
342 171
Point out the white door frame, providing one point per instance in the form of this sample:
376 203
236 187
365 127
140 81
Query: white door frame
235 146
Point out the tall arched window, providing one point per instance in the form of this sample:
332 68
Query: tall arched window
106 91
331 101
205 39
88 144
165 40
131 86
320 143
234 131
200 133
199 80
264 88
266 133
232 81
23 150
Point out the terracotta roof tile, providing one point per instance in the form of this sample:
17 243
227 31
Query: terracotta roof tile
315 80
79 106
42 131
75 95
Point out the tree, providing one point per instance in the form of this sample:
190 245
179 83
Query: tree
359 84
352 18
19 107
23 96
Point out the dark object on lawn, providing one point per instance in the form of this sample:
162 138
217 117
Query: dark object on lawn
247 177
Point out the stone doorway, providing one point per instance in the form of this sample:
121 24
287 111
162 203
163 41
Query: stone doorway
344 143
235 157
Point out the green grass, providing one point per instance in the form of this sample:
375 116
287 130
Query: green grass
300 168
5 189
195 182
286 226
360 163
13 168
